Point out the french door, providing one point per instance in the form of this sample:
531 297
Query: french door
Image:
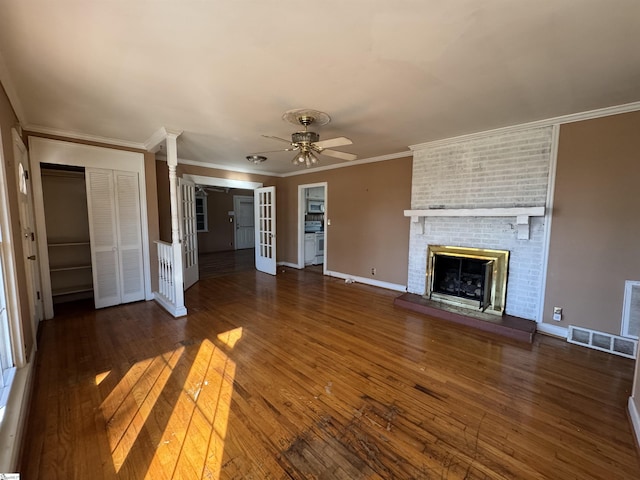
188 231
265 226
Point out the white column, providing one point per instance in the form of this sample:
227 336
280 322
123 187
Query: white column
176 242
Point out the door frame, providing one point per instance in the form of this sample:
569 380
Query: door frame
302 202
29 247
60 152
8 258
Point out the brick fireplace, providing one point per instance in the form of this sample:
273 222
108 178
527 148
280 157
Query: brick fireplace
472 192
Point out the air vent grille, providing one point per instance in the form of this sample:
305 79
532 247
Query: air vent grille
625 347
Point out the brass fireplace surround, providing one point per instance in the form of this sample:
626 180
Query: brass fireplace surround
499 277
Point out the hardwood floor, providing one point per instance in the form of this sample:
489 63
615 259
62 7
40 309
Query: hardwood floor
303 376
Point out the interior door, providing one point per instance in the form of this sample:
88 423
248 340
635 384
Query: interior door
129 228
265 222
104 237
243 207
188 231
27 230
115 229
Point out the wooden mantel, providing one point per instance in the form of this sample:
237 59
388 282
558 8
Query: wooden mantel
522 215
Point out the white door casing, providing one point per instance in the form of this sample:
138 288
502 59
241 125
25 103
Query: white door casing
58 152
27 231
244 233
188 231
113 203
265 227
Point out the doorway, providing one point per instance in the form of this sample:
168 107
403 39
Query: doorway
225 223
312 207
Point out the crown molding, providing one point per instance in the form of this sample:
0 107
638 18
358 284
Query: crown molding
215 166
182 161
570 118
83 136
381 158
154 142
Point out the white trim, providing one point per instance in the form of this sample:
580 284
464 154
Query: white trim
226 168
381 158
15 418
551 187
367 281
154 142
570 118
477 212
553 330
222 182
83 136
635 419
302 204
626 309
8 257
522 215
169 307
62 152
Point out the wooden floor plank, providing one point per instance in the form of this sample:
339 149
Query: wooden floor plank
302 376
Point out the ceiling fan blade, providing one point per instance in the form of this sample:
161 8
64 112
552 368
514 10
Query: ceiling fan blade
333 142
276 151
337 154
278 139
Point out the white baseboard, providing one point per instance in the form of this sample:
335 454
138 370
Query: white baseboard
15 416
368 281
635 419
554 330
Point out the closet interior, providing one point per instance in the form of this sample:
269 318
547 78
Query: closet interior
67 223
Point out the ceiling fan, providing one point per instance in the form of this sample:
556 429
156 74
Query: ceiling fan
308 143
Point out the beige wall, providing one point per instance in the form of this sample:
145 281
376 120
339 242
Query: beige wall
221 234
596 225
8 120
365 204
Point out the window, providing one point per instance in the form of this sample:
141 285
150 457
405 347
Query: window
201 214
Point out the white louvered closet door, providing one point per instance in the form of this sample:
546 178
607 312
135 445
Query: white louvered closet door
104 239
129 236
113 200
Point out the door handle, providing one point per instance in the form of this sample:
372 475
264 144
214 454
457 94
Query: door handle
31 257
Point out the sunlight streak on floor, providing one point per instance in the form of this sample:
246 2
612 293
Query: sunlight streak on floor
231 337
192 445
101 376
129 404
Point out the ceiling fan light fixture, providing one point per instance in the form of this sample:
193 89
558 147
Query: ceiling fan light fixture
300 158
256 158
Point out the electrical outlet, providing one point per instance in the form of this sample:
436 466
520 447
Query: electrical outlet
373 271
557 313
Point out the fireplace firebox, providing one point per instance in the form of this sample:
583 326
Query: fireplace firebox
468 277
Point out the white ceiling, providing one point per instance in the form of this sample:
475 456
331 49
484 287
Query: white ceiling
390 73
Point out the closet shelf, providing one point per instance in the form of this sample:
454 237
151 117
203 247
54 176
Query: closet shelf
71 267
67 244
70 290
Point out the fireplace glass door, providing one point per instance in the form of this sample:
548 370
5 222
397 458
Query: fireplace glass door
468 278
